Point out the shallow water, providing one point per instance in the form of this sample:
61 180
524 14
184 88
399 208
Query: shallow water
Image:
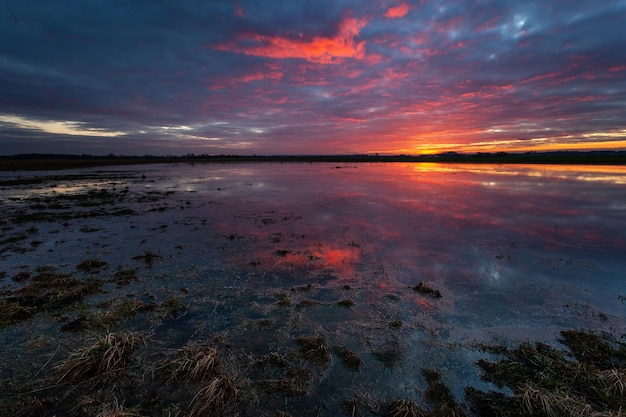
518 252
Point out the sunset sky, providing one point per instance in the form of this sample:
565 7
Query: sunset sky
311 77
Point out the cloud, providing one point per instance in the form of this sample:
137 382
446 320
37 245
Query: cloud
63 127
396 12
253 77
320 49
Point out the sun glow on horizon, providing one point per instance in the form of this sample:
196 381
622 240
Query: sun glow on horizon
604 141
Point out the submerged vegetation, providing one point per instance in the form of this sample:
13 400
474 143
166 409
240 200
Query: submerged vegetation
588 378
47 291
425 290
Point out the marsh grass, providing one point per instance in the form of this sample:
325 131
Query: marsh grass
103 359
91 266
588 379
48 291
440 396
192 364
314 349
402 408
107 318
290 382
276 373
283 299
173 305
423 289
11 312
114 409
306 303
148 257
347 303
264 324
215 398
123 277
349 359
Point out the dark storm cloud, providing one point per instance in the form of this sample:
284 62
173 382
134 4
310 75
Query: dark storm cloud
302 77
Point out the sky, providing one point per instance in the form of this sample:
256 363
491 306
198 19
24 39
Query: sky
269 77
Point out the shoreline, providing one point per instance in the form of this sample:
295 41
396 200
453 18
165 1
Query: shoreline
36 162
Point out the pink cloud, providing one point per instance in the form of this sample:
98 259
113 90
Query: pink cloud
260 76
397 12
321 50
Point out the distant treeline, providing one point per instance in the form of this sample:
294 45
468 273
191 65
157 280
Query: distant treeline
56 161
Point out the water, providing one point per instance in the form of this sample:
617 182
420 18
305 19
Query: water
518 252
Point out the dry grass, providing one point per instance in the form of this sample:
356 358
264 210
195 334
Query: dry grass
349 359
293 382
215 398
402 408
103 358
542 403
314 349
191 365
447 410
92 266
614 380
115 409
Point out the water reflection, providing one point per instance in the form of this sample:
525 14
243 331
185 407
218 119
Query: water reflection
266 253
506 245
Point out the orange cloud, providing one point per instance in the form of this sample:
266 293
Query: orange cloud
397 12
320 49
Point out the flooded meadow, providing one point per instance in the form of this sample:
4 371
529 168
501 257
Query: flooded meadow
312 289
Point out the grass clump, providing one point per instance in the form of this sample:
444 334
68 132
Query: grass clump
215 398
104 359
91 266
347 303
173 305
148 257
199 369
11 312
425 290
314 349
123 277
440 396
263 324
192 364
349 359
283 299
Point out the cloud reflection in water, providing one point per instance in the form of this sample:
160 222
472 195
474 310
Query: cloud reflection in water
507 245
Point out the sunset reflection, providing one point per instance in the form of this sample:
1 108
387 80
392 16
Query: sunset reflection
464 229
408 266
